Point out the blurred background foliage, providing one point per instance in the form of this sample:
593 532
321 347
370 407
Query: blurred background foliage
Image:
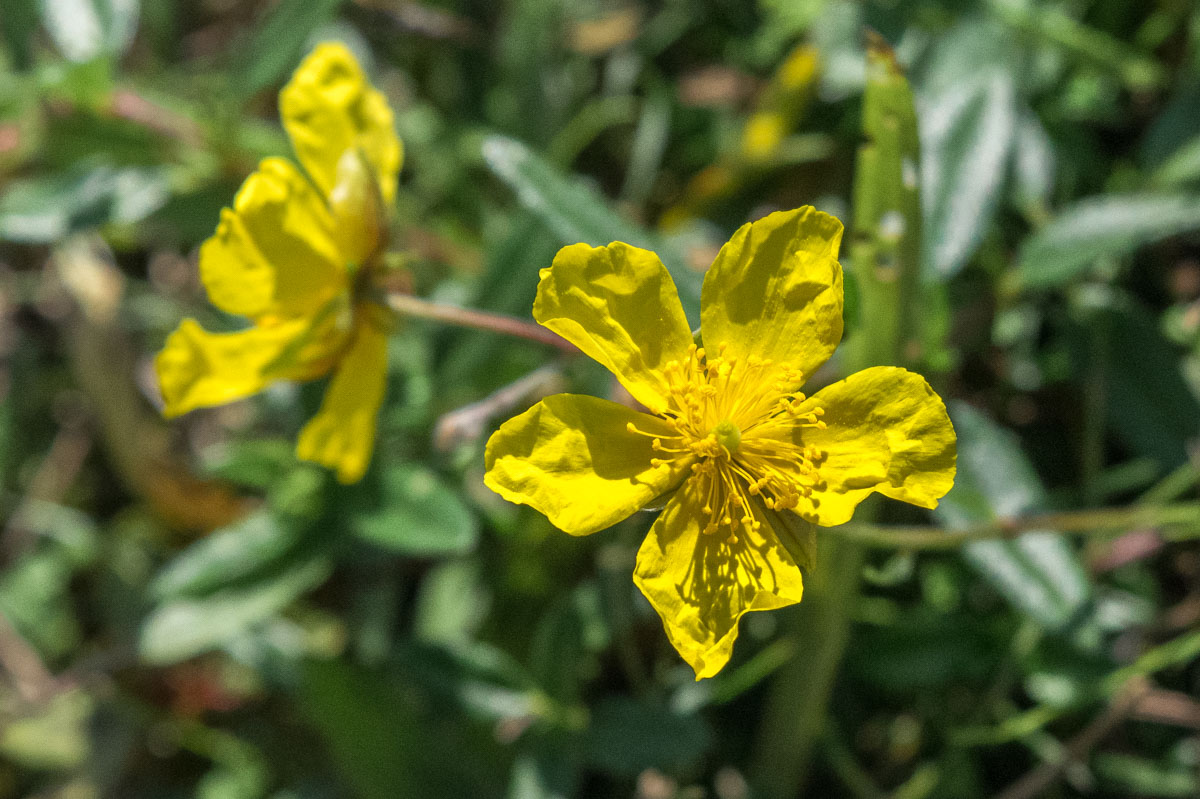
186 610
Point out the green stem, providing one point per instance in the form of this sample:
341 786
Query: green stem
799 695
1098 521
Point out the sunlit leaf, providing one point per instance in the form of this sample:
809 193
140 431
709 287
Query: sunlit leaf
968 127
1099 227
577 213
1038 573
182 628
418 514
227 556
84 29
276 44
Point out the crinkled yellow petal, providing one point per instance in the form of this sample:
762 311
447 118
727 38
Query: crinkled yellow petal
198 369
619 305
701 585
573 458
887 431
342 434
775 291
328 107
273 253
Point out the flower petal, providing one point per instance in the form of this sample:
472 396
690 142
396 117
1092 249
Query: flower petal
573 458
342 434
329 107
775 291
619 305
273 253
701 585
198 369
887 431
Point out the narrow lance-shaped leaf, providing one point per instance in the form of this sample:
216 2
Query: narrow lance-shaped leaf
1038 573
575 212
1099 227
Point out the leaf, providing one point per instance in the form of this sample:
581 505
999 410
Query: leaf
1109 226
626 737
1033 163
452 602
278 41
18 24
1182 167
1038 573
226 557
547 773
182 628
418 515
85 29
484 682
1149 405
968 127
578 213
1138 776
386 737
46 209
54 736
35 590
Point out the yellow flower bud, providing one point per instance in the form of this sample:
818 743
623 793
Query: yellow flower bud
357 207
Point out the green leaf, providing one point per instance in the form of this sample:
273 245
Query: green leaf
35 590
1039 573
1137 776
386 737
484 682
418 515
578 213
1149 405
278 41
451 603
85 29
549 772
182 628
626 737
968 127
1033 163
18 24
1110 226
1181 168
54 736
46 209
227 556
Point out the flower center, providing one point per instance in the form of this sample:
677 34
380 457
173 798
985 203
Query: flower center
741 422
728 435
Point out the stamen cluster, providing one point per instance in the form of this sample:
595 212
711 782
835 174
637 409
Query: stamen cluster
739 421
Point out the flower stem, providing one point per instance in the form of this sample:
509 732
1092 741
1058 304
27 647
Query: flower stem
1097 521
408 305
794 717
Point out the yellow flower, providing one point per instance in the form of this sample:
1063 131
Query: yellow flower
729 441
294 255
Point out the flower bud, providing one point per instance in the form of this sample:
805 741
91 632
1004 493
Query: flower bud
357 207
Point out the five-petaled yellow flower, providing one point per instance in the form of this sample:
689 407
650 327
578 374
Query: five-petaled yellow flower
729 441
295 255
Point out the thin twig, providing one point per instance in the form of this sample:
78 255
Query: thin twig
29 675
469 422
408 305
1098 521
54 477
1037 781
